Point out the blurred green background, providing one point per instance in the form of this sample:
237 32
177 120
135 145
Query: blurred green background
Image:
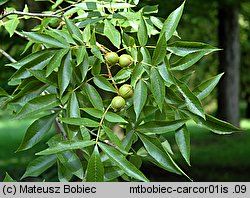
213 157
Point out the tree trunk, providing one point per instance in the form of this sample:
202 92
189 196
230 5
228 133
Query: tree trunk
229 57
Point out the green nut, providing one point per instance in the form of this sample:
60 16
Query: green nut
125 60
117 103
112 58
126 91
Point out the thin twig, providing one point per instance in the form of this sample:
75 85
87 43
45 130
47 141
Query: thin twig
101 122
61 128
7 56
111 77
101 48
21 35
66 8
29 14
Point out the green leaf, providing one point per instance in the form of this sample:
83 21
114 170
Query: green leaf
73 29
66 146
37 62
122 76
30 58
206 87
87 33
64 174
117 158
73 106
127 40
11 25
182 137
157 87
8 178
56 4
45 39
80 122
96 51
94 48
112 33
29 90
113 5
187 61
112 172
138 71
56 60
85 133
163 158
160 127
171 23
114 139
183 48
95 170
165 73
128 140
62 35
160 51
192 102
186 77
1 3
39 165
84 66
80 54
167 147
3 92
104 84
96 66
41 76
142 32
72 162
146 56
150 9
65 73
218 126
213 124
94 96
113 117
38 104
88 5
93 112
140 97
110 116
37 131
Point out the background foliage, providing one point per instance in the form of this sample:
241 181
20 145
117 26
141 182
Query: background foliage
148 78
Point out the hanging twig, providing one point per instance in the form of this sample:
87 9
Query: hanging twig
66 8
21 35
7 56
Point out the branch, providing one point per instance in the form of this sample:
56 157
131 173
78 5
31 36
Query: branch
66 8
111 77
21 35
101 48
7 56
59 125
55 14
29 14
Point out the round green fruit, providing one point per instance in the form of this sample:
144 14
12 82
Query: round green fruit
125 60
126 91
112 58
117 103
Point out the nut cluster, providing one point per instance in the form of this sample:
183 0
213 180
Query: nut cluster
124 60
118 102
126 90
